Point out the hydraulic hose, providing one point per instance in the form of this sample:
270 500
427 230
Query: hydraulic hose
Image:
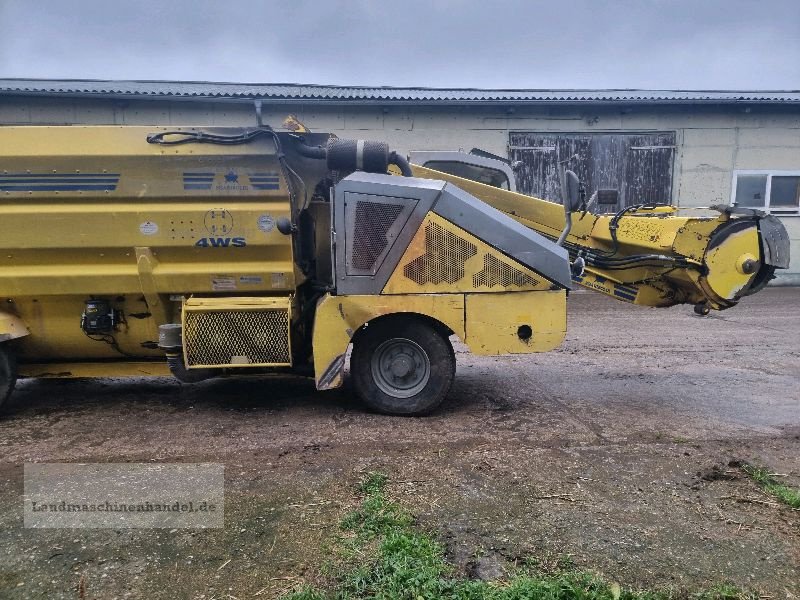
401 163
317 152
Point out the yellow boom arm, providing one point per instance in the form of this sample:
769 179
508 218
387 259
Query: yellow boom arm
654 255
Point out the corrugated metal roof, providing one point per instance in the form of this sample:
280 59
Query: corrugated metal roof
347 94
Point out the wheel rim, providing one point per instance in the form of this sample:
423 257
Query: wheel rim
400 368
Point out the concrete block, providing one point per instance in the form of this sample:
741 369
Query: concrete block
94 112
707 158
703 188
454 118
442 139
398 118
709 137
769 138
143 113
363 118
792 225
186 113
241 115
670 119
45 111
321 119
768 158
761 117
13 112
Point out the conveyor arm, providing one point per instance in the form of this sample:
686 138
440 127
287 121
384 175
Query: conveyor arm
655 255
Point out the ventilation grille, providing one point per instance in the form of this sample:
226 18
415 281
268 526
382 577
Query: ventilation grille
237 337
372 223
496 272
444 258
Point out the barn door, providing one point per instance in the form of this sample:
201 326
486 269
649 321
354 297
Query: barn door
638 165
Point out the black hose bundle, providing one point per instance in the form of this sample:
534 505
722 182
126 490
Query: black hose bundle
201 137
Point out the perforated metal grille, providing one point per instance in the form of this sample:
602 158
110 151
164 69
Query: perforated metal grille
373 221
237 337
444 258
496 272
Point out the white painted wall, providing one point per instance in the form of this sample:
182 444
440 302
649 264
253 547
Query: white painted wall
712 142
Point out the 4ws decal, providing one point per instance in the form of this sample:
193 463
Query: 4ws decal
219 242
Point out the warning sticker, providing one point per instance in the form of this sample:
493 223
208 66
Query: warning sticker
223 283
251 280
278 280
148 228
266 223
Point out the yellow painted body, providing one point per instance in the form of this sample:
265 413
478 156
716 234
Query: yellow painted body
194 219
481 271
664 230
128 368
487 323
172 234
484 300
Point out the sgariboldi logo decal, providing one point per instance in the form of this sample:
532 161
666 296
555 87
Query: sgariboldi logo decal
232 183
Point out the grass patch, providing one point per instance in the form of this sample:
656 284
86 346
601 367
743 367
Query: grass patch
782 493
383 555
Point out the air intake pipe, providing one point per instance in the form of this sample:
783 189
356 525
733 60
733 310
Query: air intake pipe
356 155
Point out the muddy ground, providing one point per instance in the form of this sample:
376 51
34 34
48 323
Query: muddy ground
610 454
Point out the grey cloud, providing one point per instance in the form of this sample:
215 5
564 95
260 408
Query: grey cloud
447 43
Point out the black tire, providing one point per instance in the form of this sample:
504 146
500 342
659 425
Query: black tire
8 373
402 366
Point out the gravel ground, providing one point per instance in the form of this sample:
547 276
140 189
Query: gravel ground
615 453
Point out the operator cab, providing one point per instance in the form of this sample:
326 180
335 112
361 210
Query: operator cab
477 165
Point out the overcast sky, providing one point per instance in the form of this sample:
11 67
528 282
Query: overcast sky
695 44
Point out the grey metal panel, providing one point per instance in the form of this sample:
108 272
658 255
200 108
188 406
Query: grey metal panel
504 233
312 93
419 193
366 229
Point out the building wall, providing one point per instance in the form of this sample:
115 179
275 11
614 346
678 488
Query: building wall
712 142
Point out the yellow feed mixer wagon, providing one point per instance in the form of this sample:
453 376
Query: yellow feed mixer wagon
215 252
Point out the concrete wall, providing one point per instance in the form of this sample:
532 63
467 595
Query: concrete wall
712 142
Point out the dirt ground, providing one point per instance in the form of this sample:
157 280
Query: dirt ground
611 454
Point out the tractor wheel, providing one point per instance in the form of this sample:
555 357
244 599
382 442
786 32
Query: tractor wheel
8 372
402 366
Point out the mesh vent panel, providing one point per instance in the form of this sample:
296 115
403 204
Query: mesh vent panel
496 272
224 337
444 258
373 220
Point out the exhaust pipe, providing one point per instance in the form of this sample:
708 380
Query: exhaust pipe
170 340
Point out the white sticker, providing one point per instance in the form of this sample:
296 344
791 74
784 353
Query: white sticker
266 223
278 280
148 228
251 280
223 283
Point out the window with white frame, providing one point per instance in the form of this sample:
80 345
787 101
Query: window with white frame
776 192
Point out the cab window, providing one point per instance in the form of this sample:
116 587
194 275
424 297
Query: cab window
477 173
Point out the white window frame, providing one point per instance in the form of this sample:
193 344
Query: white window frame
770 173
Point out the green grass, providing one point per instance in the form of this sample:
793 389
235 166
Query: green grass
783 493
383 555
